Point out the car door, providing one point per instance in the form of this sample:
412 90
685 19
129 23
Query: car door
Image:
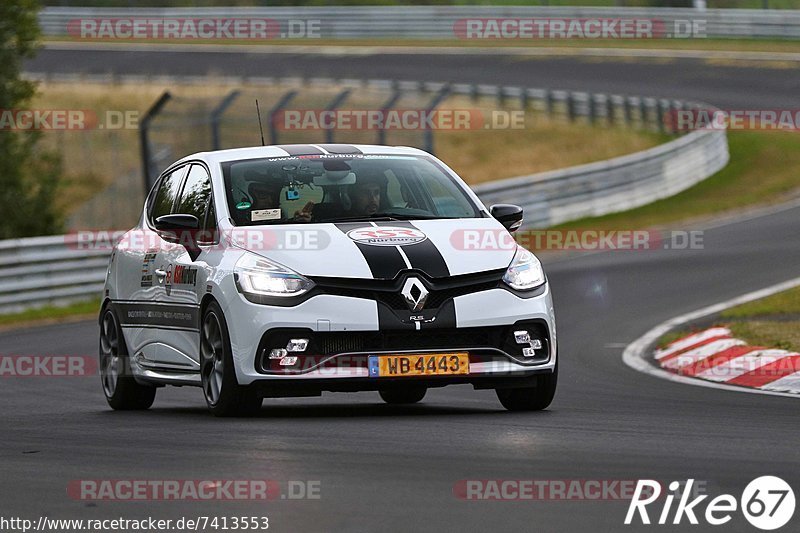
139 280
184 277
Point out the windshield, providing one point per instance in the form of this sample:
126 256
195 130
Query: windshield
328 188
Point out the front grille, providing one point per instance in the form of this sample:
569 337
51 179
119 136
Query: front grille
388 291
323 345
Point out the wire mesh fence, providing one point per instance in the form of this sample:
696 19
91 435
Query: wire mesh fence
114 178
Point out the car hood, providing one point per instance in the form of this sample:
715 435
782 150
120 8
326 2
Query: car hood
380 250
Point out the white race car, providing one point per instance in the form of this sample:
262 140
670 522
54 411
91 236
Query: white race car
295 269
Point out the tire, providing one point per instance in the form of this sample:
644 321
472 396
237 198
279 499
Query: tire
534 398
224 396
121 390
403 396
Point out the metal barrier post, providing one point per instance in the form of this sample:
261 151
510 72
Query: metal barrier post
216 116
144 140
428 134
628 110
336 102
570 106
273 131
395 96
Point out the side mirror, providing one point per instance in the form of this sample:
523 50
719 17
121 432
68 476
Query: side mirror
179 229
510 216
177 223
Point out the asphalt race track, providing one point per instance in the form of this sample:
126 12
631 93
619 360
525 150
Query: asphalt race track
724 85
394 469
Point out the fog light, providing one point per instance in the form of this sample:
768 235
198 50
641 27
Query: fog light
536 344
288 361
522 337
297 345
277 353
528 352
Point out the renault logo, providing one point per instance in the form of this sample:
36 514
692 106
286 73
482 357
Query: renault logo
415 294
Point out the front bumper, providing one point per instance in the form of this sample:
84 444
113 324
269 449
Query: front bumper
341 317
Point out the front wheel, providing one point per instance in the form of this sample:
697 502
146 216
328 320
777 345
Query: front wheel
403 396
122 391
531 398
224 396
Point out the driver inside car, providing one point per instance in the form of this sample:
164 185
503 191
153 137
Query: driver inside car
367 195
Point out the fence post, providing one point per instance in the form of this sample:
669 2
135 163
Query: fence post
216 116
285 99
336 102
393 98
643 110
592 107
663 108
144 140
570 106
437 99
628 110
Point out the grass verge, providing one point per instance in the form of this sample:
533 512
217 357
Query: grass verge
764 169
771 322
51 314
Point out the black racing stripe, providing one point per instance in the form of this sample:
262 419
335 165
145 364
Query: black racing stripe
300 149
340 148
385 262
423 255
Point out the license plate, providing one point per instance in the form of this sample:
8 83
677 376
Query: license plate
439 364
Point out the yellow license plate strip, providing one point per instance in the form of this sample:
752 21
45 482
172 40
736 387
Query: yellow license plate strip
434 364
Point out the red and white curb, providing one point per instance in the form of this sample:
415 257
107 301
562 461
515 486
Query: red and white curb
715 355
712 358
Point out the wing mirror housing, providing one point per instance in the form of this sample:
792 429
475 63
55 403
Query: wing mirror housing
180 229
510 216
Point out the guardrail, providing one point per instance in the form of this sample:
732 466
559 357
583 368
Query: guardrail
437 22
49 270
60 269
613 185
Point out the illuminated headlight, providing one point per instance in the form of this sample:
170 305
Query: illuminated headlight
525 272
261 277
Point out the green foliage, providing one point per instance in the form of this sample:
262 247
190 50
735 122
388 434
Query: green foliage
28 178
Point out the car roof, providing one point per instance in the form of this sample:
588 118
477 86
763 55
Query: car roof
287 150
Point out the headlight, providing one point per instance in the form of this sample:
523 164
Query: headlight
261 277
525 272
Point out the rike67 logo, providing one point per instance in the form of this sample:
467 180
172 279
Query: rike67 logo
767 503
